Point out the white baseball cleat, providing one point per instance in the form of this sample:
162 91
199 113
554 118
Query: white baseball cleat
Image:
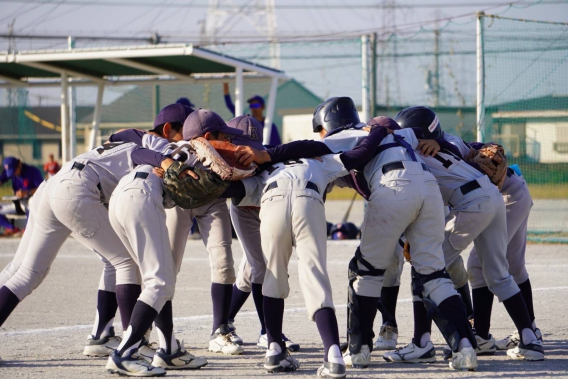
290 345
529 352
221 343
180 360
279 360
412 353
101 347
485 346
388 336
360 360
512 340
234 336
465 359
147 351
334 367
131 366
509 342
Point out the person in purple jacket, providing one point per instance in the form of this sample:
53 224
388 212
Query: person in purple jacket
25 181
256 106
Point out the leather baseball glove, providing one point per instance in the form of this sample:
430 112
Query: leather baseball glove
219 156
492 160
406 252
189 193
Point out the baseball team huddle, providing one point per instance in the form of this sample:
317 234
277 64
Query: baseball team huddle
134 200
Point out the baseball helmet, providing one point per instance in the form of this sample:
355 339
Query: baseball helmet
420 117
347 231
334 113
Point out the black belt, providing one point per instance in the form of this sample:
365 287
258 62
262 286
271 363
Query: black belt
310 185
468 187
78 166
399 166
141 175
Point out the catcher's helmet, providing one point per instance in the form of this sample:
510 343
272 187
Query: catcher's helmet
334 113
420 117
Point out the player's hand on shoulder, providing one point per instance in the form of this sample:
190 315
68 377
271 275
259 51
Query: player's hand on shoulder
245 155
159 172
428 147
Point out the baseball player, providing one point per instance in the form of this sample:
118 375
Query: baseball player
137 215
477 215
214 224
292 215
74 201
394 207
518 203
246 221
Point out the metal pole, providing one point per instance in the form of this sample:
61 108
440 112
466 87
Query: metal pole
480 106
373 74
436 67
270 110
365 77
239 95
96 117
64 118
72 111
156 100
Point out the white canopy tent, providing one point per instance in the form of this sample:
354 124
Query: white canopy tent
137 65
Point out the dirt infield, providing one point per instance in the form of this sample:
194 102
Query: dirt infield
45 335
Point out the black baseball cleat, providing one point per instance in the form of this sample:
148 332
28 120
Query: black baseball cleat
279 360
131 366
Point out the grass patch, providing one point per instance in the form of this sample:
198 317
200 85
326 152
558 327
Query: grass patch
6 189
549 191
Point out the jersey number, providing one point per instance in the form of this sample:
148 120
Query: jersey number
446 162
290 162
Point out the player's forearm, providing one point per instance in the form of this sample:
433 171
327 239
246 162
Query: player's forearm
298 149
153 158
366 150
128 135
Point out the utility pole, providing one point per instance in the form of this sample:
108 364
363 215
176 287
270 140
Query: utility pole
365 78
373 74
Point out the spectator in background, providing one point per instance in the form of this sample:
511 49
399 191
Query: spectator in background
256 105
25 182
51 167
185 101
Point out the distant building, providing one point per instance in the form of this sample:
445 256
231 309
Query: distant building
34 133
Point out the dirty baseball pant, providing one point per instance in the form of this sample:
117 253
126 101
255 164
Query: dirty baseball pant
404 201
246 221
138 217
69 203
215 230
479 217
394 271
518 204
293 216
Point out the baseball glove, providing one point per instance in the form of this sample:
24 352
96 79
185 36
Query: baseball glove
219 156
406 252
189 193
492 160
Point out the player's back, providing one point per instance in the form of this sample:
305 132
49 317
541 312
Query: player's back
321 173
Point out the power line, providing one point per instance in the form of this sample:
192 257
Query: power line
183 4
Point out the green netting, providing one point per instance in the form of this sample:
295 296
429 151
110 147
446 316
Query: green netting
526 109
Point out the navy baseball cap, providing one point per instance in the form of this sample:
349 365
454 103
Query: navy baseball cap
202 121
387 122
252 131
172 113
257 99
185 101
10 164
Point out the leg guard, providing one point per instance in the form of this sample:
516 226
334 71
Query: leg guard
449 323
356 333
